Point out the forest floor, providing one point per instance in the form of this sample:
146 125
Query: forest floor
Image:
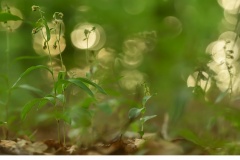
149 144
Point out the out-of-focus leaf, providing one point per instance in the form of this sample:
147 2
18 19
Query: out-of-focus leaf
146 118
28 71
60 86
181 99
50 98
28 57
145 99
81 116
85 80
135 112
2 103
27 107
221 96
61 97
78 82
63 116
61 75
2 123
31 88
87 102
4 17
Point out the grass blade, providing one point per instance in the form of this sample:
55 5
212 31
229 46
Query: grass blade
28 71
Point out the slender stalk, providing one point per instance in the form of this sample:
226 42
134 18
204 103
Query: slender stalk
9 91
58 41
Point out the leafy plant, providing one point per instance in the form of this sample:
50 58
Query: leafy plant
138 113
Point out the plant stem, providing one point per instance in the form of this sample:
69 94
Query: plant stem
9 91
58 41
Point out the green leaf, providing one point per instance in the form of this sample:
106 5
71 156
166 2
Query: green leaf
221 96
135 112
61 97
78 82
61 75
31 88
28 71
4 17
85 80
27 107
145 99
50 98
47 29
42 102
60 86
141 133
146 118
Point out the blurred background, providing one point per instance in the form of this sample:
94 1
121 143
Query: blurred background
185 50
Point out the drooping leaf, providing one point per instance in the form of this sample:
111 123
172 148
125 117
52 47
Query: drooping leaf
146 118
221 96
27 107
31 88
78 82
85 80
28 71
47 29
135 112
4 17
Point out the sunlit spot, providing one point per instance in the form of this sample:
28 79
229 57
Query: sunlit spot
134 7
230 18
224 51
173 25
230 5
131 79
88 36
132 61
226 76
199 79
83 8
133 50
78 72
55 47
38 45
133 47
13 25
105 57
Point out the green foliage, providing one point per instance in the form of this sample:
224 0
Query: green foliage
30 69
135 113
4 17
